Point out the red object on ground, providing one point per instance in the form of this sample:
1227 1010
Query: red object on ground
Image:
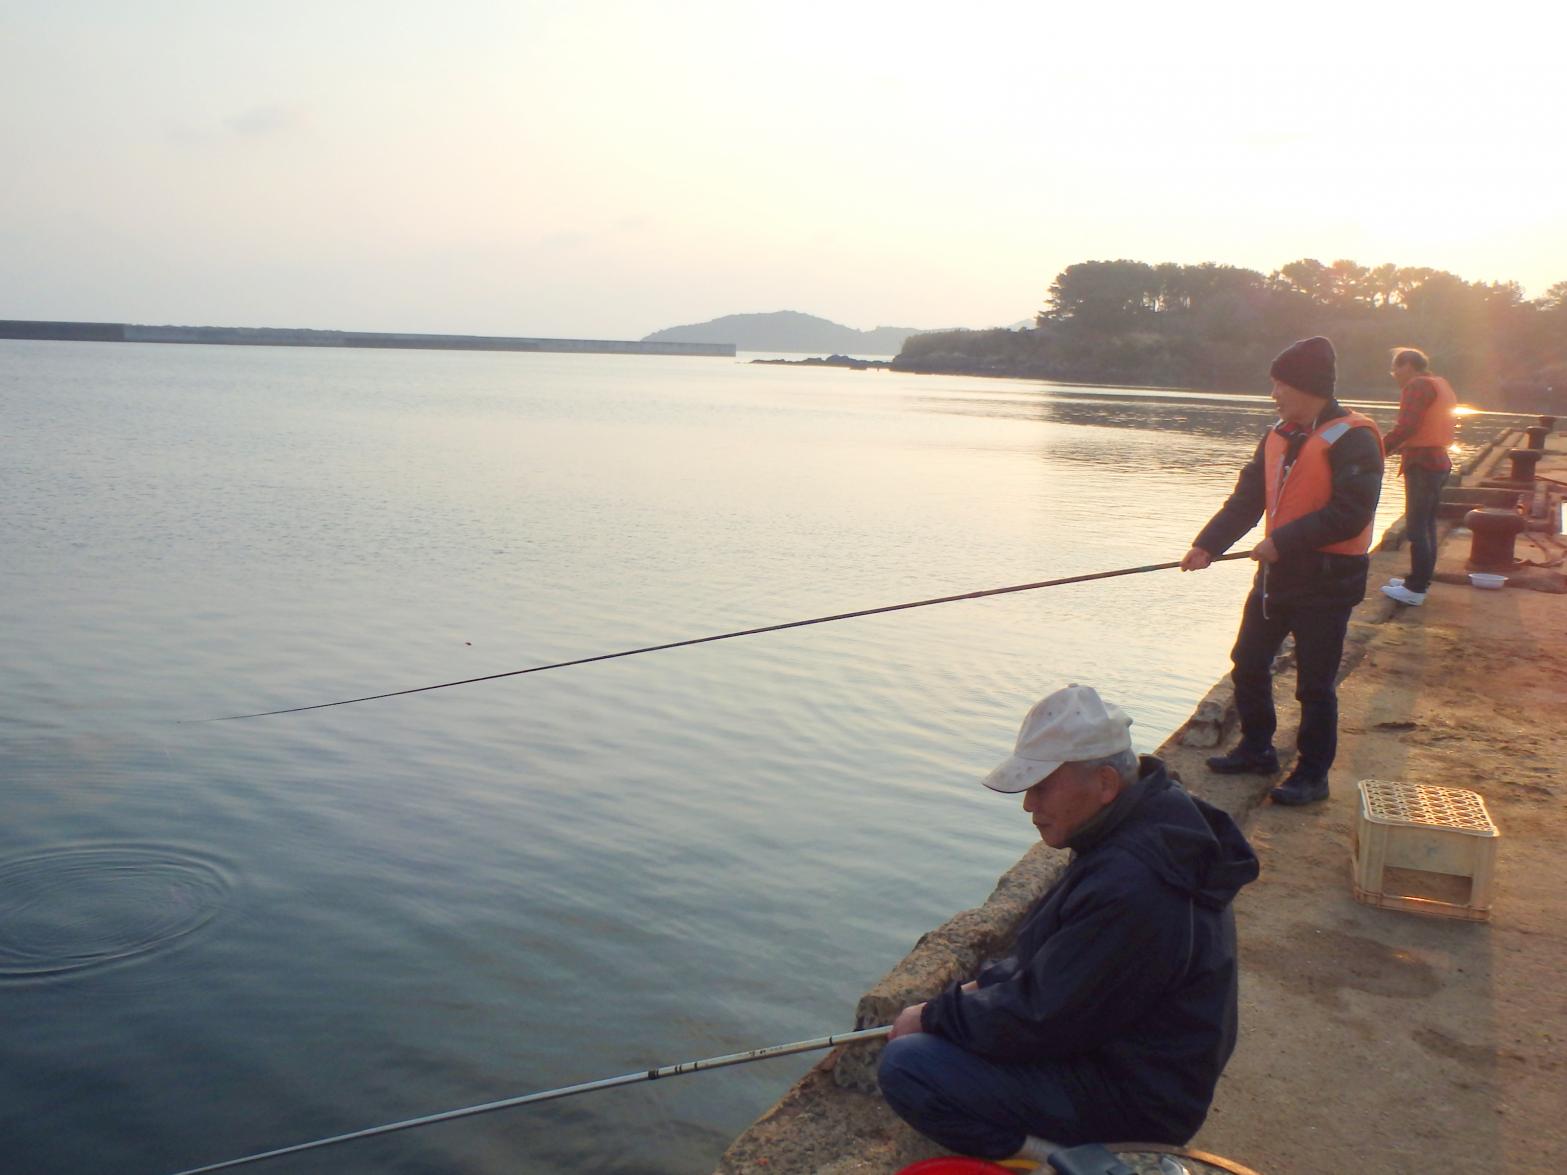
955 1165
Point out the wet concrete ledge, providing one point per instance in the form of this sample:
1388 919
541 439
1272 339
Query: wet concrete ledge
833 1121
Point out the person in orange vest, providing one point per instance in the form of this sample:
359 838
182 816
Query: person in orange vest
1314 480
1426 426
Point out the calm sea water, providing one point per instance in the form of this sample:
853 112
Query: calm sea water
218 938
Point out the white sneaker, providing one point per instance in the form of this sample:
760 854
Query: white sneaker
1396 581
1403 595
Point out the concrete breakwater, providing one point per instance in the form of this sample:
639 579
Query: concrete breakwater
245 336
832 1120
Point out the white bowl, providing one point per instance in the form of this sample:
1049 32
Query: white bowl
1481 579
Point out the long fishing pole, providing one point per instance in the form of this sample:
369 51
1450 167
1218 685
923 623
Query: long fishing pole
761 1054
724 636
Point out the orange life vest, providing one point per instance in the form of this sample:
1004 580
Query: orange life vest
1438 426
1307 485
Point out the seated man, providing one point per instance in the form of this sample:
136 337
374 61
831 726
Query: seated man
1116 1012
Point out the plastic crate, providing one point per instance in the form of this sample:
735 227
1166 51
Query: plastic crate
1423 829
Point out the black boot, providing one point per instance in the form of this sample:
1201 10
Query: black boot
1300 788
1243 760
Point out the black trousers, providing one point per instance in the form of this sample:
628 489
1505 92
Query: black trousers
1319 647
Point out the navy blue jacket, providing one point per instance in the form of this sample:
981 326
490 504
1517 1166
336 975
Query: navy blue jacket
1124 972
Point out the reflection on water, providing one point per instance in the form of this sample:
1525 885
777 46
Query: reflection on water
1216 414
221 938
1169 421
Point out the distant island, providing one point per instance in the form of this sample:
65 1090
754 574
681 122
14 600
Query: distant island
1218 327
788 330
264 336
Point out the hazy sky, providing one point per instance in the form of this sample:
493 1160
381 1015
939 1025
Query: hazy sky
604 169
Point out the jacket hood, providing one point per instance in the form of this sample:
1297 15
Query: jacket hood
1191 846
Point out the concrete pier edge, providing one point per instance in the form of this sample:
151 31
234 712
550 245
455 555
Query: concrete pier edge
832 1120
262 336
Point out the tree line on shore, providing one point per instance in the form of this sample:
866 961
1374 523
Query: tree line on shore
1219 327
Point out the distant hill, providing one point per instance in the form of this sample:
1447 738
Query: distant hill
788 330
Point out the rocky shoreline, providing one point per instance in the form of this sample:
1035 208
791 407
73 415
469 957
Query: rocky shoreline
846 361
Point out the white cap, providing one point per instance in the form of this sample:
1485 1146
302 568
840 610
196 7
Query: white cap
1070 726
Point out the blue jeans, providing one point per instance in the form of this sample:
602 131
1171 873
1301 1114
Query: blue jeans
1422 493
1319 647
972 1105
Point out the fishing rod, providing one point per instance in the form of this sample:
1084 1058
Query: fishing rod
724 636
761 1054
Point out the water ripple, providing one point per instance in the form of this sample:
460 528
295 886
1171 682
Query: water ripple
71 909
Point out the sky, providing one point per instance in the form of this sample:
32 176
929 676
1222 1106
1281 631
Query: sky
603 169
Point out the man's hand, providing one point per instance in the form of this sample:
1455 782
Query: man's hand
1265 552
1195 559
907 1023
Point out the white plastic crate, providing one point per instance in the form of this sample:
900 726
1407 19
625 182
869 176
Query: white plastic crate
1426 830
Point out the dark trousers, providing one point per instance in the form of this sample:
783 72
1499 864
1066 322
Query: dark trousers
972 1105
1422 492
1319 646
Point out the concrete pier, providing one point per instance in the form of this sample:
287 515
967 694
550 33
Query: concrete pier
1371 1040
245 336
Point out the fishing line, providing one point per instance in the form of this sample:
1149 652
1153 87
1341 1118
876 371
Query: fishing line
724 636
761 1054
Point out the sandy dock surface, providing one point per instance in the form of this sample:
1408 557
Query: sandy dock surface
1383 1041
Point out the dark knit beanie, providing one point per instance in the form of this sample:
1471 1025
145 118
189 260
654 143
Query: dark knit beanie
1308 365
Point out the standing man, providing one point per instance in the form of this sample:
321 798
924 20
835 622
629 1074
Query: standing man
1116 1011
1426 426
1315 480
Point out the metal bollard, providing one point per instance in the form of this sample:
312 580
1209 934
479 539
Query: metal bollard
1491 548
1524 461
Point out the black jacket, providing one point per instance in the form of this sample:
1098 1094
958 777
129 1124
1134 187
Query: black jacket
1304 574
1125 971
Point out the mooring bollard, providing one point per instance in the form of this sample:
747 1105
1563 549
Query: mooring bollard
1537 434
1547 422
1491 548
1524 461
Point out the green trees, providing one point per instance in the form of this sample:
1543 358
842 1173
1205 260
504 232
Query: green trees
1111 293
1103 293
1218 326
